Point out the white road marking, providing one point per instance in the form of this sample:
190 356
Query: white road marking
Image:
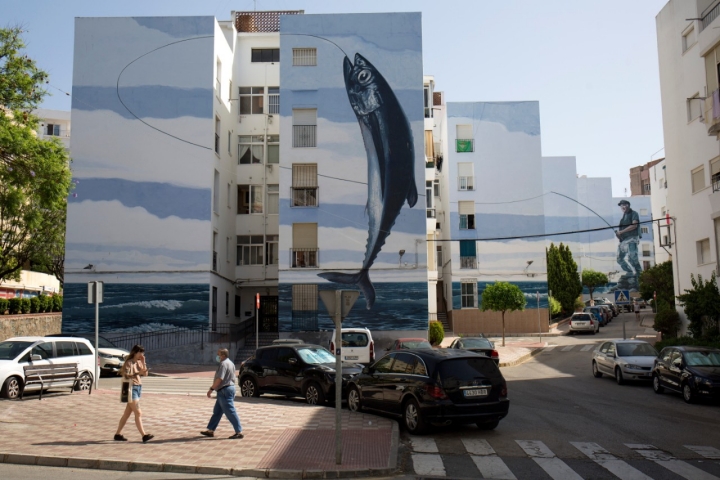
478 447
428 464
608 461
493 467
423 445
708 452
549 348
587 347
664 459
568 348
546 459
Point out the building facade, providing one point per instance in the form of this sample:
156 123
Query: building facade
658 200
640 183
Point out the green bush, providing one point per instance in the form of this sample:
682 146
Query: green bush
25 305
14 306
3 306
579 304
688 342
554 305
436 333
57 303
45 304
35 304
667 319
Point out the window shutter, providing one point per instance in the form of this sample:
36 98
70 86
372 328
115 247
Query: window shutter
304 116
467 248
698 180
464 132
714 167
429 145
304 175
466 208
465 170
305 235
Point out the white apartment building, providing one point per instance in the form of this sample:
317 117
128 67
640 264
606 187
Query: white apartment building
658 201
54 124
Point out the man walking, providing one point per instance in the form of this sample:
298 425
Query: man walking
224 385
627 254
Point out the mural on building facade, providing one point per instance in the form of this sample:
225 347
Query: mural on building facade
628 233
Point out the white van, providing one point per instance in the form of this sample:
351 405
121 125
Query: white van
18 352
357 345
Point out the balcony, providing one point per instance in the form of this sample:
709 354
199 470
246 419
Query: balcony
468 262
304 136
464 145
715 179
304 196
708 18
304 257
711 112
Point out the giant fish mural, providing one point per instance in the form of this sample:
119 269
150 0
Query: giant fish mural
390 153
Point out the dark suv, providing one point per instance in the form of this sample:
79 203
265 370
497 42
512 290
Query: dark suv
437 387
293 370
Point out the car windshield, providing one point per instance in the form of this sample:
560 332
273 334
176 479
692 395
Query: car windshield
581 317
415 344
635 350
354 339
703 359
315 355
475 343
10 350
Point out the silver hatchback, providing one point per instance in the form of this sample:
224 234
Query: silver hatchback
584 322
624 360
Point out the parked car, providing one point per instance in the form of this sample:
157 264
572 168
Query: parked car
405 343
427 387
624 359
608 312
604 302
111 357
480 345
357 345
584 322
294 370
598 313
18 352
692 371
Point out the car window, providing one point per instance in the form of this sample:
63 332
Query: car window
404 363
10 350
581 317
611 349
267 354
83 349
354 339
635 350
42 349
675 358
475 343
702 359
284 354
420 368
416 344
315 356
666 354
605 347
459 370
65 349
383 365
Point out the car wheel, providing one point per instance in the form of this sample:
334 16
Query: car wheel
314 394
619 376
688 394
414 422
249 388
596 373
657 386
353 399
12 388
84 382
488 425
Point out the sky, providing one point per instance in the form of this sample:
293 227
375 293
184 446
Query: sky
593 66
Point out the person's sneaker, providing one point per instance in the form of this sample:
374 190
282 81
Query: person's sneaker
147 438
208 433
237 436
119 438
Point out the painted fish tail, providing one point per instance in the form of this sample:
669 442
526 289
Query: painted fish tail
361 279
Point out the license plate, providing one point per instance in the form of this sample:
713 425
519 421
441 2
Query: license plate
354 357
581 324
476 392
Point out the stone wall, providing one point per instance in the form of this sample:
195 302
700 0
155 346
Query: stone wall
33 324
472 321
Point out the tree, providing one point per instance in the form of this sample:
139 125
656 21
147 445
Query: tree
702 306
34 173
593 279
503 297
667 319
563 278
658 280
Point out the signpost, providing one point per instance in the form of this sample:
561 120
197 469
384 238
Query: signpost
538 309
338 304
95 295
622 297
257 321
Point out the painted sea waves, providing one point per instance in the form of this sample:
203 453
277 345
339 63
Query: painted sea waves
398 306
137 307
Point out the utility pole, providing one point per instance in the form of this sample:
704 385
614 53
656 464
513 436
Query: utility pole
95 295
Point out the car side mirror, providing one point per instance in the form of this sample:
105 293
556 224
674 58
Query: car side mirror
292 361
366 370
35 358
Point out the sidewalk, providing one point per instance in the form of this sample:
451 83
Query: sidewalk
283 439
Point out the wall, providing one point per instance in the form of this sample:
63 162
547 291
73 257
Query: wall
189 354
658 202
474 321
35 324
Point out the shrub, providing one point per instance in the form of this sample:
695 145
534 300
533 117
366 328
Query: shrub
667 319
554 305
14 306
579 305
35 305
436 333
45 303
25 305
3 306
57 303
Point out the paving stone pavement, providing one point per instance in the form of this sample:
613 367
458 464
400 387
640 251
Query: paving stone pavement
279 435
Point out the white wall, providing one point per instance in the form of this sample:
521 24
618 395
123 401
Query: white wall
658 200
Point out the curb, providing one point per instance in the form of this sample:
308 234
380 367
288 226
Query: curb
523 358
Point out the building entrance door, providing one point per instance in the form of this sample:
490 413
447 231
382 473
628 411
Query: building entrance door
268 313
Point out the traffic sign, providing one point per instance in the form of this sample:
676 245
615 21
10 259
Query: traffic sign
622 297
347 301
257 301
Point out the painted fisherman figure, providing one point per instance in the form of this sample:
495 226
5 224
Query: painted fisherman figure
627 255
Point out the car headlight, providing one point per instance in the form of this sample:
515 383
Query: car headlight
703 381
105 355
633 367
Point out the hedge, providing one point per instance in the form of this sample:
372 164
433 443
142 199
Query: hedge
3 306
39 304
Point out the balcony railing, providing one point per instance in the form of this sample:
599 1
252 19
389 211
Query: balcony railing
464 145
716 182
273 104
304 136
304 257
708 18
430 213
304 196
468 262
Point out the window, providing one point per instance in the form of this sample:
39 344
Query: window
230 92
214 253
273 100
252 100
304 252
218 79
237 305
229 143
304 57
427 101
644 212
271 249
694 107
273 194
703 251
227 249
468 293
304 307
646 249
715 173
439 257
265 55
468 254
250 199
52 129
429 197
273 149
436 188
466 176
304 185
646 265
688 39
229 196
216 192
644 230
646 187
217 135
227 303
404 364
698 179
304 127
250 149
65 349
464 138
83 349
249 250
467 215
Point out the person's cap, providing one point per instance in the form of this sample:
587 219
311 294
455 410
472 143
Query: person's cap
624 202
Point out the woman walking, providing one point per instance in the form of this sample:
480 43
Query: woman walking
133 368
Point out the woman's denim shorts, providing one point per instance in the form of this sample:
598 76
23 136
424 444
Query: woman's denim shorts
136 392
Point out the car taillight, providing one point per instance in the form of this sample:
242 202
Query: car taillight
592 323
372 351
435 392
503 390
332 348
494 354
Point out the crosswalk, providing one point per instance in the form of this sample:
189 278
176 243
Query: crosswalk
570 348
429 460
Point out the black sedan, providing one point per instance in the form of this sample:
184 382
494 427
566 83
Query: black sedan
480 345
293 370
692 371
432 387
